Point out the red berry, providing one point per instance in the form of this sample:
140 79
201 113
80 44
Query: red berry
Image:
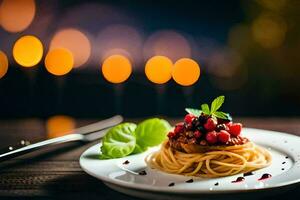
189 118
171 134
211 137
223 136
210 124
178 128
197 134
235 128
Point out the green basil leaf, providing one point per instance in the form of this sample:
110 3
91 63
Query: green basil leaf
217 103
205 109
150 132
119 141
193 111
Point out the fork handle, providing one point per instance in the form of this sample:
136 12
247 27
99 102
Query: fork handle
80 134
21 149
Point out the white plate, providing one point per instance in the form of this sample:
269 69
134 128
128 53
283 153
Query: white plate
285 171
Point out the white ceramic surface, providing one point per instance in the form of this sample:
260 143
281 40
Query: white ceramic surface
285 170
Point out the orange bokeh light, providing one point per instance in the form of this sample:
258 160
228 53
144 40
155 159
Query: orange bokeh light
28 51
60 125
186 72
17 15
3 64
116 68
158 69
75 41
59 61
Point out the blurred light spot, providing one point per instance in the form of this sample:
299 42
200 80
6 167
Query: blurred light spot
158 69
116 69
119 39
274 5
167 43
269 31
204 48
227 70
235 82
240 37
224 63
186 72
3 64
75 41
28 51
0 14
59 61
17 15
60 125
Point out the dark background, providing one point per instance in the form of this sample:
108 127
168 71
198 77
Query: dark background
265 82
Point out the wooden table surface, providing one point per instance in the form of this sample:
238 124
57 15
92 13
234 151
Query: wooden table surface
55 173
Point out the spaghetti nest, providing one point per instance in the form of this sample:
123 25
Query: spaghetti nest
220 161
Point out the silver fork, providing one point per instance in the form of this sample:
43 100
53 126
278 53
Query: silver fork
87 133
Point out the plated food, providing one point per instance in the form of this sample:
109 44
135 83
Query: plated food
208 144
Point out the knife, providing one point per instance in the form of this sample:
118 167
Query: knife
87 133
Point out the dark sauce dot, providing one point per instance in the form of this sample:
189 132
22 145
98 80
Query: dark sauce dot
143 173
238 179
126 162
282 169
216 184
171 184
248 174
190 181
265 176
286 157
283 163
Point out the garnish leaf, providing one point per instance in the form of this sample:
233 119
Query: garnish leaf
150 132
119 141
217 103
213 111
193 111
221 115
205 109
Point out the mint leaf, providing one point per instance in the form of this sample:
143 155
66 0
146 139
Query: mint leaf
193 111
205 109
223 115
217 103
220 115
